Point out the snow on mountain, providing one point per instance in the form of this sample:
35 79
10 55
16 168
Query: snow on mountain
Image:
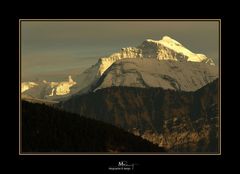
184 76
158 50
170 49
165 49
62 88
47 90
27 85
129 52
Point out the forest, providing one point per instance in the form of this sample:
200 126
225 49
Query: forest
52 130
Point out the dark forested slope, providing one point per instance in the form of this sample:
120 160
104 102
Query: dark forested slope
47 129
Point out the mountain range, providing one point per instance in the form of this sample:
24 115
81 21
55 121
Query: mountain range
164 63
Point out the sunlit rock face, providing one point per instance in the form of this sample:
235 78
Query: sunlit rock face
46 89
170 49
165 49
129 52
63 88
27 85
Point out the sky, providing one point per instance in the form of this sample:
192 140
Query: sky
52 50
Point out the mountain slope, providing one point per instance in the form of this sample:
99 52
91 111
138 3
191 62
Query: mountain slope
183 76
47 129
177 120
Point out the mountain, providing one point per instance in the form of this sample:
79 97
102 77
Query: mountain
47 129
165 49
144 73
179 121
183 62
47 90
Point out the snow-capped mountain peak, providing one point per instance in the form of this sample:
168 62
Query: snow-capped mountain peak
164 49
170 40
170 49
166 40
